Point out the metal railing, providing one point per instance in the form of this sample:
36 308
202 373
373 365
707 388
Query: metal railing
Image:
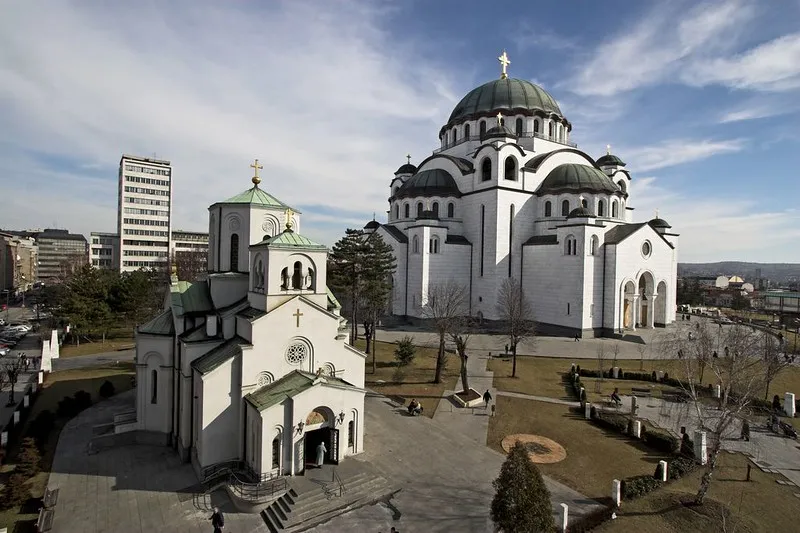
218 469
524 135
257 491
339 482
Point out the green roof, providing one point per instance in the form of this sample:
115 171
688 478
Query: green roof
433 182
290 239
191 298
162 324
509 94
333 303
256 196
610 160
574 178
224 352
288 386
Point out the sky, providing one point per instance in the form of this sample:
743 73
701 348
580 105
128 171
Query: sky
701 99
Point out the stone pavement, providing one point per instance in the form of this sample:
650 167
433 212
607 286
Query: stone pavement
545 399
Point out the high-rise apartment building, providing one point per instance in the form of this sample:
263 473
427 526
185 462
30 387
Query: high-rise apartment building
190 253
144 216
104 250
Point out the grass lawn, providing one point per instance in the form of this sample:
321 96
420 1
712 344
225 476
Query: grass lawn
540 376
413 381
595 457
91 348
56 386
761 505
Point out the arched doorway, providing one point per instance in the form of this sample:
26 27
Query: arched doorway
628 299
320 427
646 292
660 305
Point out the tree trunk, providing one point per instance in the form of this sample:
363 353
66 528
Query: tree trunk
367 334
374 334
766 389
354 321
514 360
705 481
464 379
439 359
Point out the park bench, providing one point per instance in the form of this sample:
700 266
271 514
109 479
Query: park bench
50 498
675 396
45 521
641 392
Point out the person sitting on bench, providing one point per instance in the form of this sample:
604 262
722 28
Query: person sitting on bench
415 407
615 397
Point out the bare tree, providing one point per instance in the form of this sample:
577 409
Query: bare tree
739 376
642 349
445 305
190 265
615 353
460 335
12 369
775 359
601 359
517 313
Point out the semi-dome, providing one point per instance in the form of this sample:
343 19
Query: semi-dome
659 223
407 168
433 182
510 95
580 212
610 160
372 224
499 132
574 178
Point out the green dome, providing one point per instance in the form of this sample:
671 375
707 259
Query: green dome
610 160
509 95
434 182
580 212
574 177
659 223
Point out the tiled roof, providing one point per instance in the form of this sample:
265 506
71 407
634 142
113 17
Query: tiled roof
456 239
290 239
288 386
256 196
396 232
190 298
623 231
224 352
541 239
251 313
162 324
333 303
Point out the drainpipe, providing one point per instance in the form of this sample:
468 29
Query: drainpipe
471 252
408 245
603 296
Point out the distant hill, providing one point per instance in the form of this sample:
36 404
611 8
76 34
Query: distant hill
775 272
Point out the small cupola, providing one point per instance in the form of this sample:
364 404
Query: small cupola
610 163
499 132
659 224
407 169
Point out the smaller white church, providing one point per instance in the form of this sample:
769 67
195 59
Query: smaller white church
251 365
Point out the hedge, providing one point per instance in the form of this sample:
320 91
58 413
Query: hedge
661 441
636 486
680 467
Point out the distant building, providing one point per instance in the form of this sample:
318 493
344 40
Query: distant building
144 213
104 250
19 263
59 253
189 252
782 301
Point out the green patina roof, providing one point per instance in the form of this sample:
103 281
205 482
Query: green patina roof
162 324
190 298
288 386
256 196
290 239
508 94
610 160
224 352
574 178
333 303
433 182
197 334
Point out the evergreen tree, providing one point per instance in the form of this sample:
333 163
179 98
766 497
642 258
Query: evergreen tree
521 502
15 492
346 272
405 351
379 265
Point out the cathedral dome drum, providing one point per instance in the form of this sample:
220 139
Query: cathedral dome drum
427 183
575 178
509 95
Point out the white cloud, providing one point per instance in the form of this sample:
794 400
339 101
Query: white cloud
318 92
677 151
529 36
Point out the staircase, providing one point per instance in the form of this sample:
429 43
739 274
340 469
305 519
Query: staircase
323 494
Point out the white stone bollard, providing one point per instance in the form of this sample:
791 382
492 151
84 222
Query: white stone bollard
717 391
634 407
637 429
615 371
41 377
587 412
616 492
663 465
788 404
700 447
660 375
564 517
3 438
581 393
26 401
573 368
16 417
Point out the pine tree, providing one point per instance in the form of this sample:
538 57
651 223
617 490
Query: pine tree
521 502
346 272
15 492
377 291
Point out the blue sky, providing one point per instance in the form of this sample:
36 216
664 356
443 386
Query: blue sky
702 100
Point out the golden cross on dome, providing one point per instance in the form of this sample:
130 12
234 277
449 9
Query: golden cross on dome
656 212
499 120
289 214
256 167
504 61
608 149
408 158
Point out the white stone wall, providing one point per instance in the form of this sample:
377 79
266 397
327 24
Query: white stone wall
221 402
154 354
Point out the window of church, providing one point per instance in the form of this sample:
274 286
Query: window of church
536 127
154 386
550 130
486 169
567 307
433 246
647 249
511 167
601 208
594 245
466 131
519 127
234 259
419 209
565 208
451 210
622 186
276 452
285 278
296 353
482 128
351 433
297 275
455 135
435 208
310 279
614 209
415 244
548 209
571 246
584 203
397 211
407 210
264 379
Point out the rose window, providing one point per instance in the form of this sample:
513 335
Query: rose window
296 353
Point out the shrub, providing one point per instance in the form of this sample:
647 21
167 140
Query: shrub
83 400
583 395
589 373
661 441
15 492
621 374
29 457
654 376
637 376
657 473
521 501
666 377
680 467
67 408
107 389
593 412
41 426
634 487
687 446
611 421
578 369
405 351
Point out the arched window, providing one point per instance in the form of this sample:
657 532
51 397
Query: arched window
536 125
285 278
601 208
297 275
482 128
570 247
433 245
614 209
622 186
594 244
518 127
435 209
407 210
486 169
310 279
550 129
419 209
455 135
511 167
154 386
466 132
234 252
276 452
451 210
584 203
396 211
415 244
548 209
395 190
565 208
351 434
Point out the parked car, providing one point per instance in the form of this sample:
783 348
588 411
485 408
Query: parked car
4 352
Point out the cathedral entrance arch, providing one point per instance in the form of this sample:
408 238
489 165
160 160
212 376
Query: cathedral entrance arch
628 300
646 293
660 304
321 428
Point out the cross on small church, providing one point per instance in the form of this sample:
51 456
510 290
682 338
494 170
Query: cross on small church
499 120
504 61
256 167
289 214
408 158
297 314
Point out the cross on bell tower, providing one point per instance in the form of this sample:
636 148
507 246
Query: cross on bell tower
256 167
504 62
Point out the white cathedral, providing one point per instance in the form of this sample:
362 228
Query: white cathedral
508 195
251 366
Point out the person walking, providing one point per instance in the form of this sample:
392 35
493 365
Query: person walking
217 520
487 398
321 450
